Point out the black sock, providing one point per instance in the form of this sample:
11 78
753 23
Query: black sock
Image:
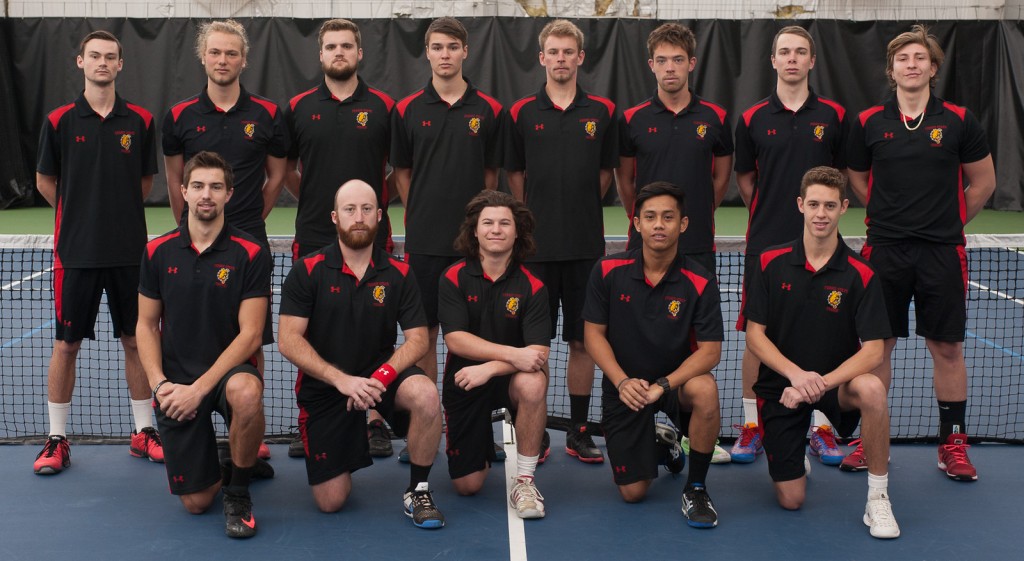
952 419
417 474
579 408
240 477
699 464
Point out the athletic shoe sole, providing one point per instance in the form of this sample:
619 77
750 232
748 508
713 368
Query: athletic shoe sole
134 452
576 455
956 477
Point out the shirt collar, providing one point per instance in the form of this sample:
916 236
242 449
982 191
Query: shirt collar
434 97
838 261
209 107
219 244
358 95
777 106
892 108
85 110
637 267
334 259
694 100
581 99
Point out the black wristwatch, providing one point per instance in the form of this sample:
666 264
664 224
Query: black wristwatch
663 382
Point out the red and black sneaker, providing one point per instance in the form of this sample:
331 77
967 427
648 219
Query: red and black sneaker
55 456
580 445
238 519
953 458
147 444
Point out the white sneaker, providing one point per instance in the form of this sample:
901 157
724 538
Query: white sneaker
878 517
807 465
526 499
719 456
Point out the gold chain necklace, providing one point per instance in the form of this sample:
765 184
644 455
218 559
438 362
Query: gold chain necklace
903 117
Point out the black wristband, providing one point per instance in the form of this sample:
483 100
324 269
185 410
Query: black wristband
663 382
158 384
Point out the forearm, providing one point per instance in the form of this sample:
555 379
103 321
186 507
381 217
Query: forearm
296 348
859 185
413 349
745 185
606 181
517 184
47 187
768 353
174 167
275 168
147 336
625 184
702 361
490 179
600 350
403 181
720 177
863 361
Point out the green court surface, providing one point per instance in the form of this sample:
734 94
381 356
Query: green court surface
730 221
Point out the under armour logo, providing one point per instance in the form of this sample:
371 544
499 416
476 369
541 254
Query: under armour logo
472 298
652 129
772 132
201 128
335 290
172 270
888 135
624 297
619 469
453 452
315 117
79 139
539 127
787 286
178 478
319 457
424 123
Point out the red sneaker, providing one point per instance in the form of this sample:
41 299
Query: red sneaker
953 458
147 444
264 451
55 456
856 460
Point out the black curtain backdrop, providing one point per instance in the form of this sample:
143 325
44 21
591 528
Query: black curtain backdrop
984 68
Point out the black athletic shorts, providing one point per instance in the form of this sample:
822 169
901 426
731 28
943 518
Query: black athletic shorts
750 263
428 270
77 294
935 276
190 447
469 437
567 283
632 451
335 439
785 431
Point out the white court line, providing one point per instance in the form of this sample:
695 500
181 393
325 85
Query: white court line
26 279
516 531
980 286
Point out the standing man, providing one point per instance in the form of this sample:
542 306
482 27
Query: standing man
777 140
245 129
678 137
654 326
562 148
494 312
340 130
203 295
97 157
445 147
816 321
340 307
923 168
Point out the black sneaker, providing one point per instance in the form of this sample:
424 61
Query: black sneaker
238 518
260 470
670 453
419 505
296 449
580 445
545 448
380 439
698 508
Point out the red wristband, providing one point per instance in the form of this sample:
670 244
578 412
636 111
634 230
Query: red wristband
386 374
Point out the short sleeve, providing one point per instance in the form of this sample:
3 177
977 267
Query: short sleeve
298 292
756 307
974 146
410 306
610 144
452 312
858 155
537 321
595 307
707 319
515 149
746 158
401 143
723 144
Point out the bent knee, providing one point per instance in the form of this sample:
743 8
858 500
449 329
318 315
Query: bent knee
634 492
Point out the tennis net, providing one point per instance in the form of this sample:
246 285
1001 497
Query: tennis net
994 350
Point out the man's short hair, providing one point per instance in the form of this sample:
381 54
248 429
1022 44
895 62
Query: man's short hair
103 35
209 160
793 30
339 25
466 242
447 26
918 35
674 34
231 27
657 189
824 175
560 28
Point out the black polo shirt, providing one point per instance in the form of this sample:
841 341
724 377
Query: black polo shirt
99 163
916 189
781 145
652 329
201 295
816 319
679 148
244 136
336 141
511 310
563 152
352 322
447 147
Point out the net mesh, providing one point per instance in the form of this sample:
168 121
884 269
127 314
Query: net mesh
994 351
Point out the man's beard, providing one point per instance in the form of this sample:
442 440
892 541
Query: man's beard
357 238
339 74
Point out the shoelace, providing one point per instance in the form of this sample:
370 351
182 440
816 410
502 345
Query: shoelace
701 499
237 506
526 490
422 499
882 512
828 436
746 434
51 448
855 443
958 451
155 437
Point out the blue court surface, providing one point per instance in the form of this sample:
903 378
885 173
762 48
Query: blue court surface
112 506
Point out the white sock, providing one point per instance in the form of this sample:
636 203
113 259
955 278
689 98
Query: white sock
58 417
877 485
527 464
749 410
142 410
820 419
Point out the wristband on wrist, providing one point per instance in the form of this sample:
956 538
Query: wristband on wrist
386 374
623 381
160 383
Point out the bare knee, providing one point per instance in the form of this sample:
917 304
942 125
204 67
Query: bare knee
471 484
69 350
634 492
419 395
702 395
869 391
129 343
197 503
331 495
946 351
791 494
329 504
245 395
530 387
